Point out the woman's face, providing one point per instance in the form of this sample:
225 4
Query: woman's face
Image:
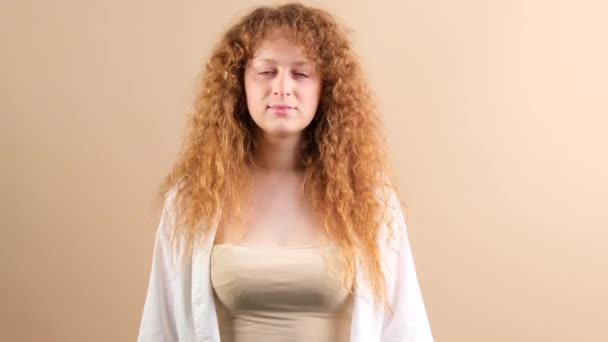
282 87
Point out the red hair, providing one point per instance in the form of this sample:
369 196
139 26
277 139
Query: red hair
343 156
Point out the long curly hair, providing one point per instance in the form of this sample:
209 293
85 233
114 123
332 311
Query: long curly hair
343 153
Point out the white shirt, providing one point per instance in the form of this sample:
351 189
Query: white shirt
179 304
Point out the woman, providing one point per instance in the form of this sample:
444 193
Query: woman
279 220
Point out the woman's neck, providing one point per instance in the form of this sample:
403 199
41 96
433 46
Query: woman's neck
279 154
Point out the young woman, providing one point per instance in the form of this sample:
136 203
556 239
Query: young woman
280 222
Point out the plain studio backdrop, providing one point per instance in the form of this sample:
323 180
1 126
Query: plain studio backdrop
495 111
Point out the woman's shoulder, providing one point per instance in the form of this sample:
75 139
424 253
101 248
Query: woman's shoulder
393 227
166 225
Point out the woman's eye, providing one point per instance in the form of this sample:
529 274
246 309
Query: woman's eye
273 72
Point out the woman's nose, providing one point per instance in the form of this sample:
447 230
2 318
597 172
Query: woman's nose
283 85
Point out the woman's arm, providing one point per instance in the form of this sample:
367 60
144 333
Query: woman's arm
157 321
409 321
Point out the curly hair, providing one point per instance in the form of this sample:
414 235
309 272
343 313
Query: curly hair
343 152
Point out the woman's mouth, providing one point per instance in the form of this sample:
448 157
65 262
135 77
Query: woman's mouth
280 109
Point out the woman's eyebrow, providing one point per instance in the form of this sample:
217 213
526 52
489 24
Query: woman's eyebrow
273 61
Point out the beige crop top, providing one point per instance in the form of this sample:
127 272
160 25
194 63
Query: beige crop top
271 294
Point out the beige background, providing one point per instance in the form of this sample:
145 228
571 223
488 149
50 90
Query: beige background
495 112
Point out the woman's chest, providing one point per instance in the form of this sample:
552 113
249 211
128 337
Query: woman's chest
275 213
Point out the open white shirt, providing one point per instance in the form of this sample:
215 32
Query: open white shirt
179 304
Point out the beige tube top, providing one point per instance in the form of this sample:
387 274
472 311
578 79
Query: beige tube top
271 294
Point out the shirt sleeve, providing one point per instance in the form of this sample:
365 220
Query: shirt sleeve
409 321
158 321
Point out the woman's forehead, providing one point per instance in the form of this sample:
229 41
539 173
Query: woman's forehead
279 50
281 40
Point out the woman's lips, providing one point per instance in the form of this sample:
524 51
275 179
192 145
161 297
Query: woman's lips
281 109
